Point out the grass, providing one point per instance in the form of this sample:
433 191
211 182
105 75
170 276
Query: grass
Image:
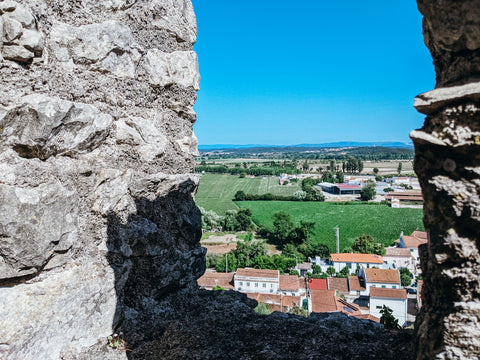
217 191
382 222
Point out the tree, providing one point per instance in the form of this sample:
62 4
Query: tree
366 244
262 309
387 319
313 248
294 272
244 220
405 277
282 225
345 272
328 177
305 165
210 219
316 269
331 271
239 196
375 170
399 168
230 221
291 251
339 177
297 310
378 178
299 195
232 263
368 191
300 234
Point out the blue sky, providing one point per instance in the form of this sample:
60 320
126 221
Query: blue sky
309 71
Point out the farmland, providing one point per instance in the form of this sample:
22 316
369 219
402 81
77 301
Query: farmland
216 191
380 221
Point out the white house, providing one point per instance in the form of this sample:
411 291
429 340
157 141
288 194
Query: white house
255 280
356 285
395 299
397 258
412 242
354 261
291 285
380 278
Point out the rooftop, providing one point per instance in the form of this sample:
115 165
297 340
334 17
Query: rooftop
340 284
326 301
357 258
276 302
212 279
289 282
388 293
355 283
420 234
398 252
317 284
387 276
348 187
412 241
257 273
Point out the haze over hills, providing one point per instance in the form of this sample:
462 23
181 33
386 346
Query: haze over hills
298 147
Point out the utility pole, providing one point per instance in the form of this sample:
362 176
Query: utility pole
226 263
337 233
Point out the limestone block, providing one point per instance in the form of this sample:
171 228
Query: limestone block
32 40
176 16
110 194
17 53
12 28
148 140
41 126
22 15
7 6
95 42
117 4
34 223
179 67
58 315
122 65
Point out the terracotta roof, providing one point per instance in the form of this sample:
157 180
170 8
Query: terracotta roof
326 301
212 279
357 258
257 273
388 276
340 284
355 283
407 195
388 293
367 317
220 249
397 252
289 282
412 241
348 187
273 301
420 234
317 284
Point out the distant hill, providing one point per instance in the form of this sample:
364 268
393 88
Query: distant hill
301 147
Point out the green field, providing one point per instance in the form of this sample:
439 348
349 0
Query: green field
382 222
217 191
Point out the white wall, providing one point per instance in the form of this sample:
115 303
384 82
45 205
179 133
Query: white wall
267 287
399 307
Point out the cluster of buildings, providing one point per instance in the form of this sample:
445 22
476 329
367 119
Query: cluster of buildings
376 283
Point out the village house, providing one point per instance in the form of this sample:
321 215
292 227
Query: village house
209 280
278 302
303 268
354 261
340 285
326 301
356 286
291 285
256 280
397 258
405 196
412 242
380 278
395 299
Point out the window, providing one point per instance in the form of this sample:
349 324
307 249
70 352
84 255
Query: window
379 307
271 286
373 286
256 284
349 265
383 286
240 283
264 285
248 284
394 287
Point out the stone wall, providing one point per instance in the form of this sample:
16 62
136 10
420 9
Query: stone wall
97 217
447 161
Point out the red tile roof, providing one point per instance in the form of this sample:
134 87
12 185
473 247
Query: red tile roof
388 293
211 279
357 258
317 284
355 284
412 241
273 301
326 301
397 252
388 276
420 234
289 283
340 284
257 273
367 317
348 187
407 195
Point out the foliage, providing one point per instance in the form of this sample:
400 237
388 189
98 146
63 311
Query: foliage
218 287
375 170
240 220
297 310
331 271
345 272
294 272
378 178
299 195
366 244
405 277
256 171
312 248
387 319
327 176
262 309
389 189
339 177
368 191
210 219
248 237
316 269
230 258
291 251
211 260
399 168
282 225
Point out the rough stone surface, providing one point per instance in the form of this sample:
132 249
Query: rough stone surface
448 167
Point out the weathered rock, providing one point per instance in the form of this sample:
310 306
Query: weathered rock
448 167
32 40
179 67
7 6
42 126
176 16
17 53
12 28
22 15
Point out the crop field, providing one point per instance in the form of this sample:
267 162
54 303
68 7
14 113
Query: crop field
217 191
382 222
